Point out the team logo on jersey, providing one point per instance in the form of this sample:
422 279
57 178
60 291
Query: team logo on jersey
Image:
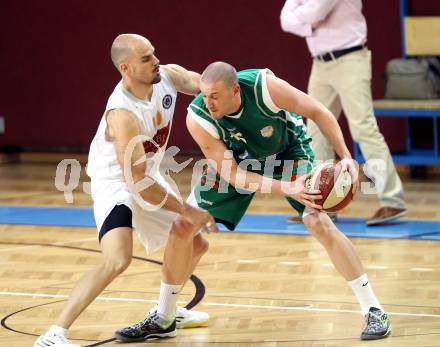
237 136
167 101
267 131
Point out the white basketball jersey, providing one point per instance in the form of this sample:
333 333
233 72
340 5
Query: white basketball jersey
154 116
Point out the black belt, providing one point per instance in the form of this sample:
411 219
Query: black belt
338 53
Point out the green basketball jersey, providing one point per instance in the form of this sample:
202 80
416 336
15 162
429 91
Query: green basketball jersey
260 129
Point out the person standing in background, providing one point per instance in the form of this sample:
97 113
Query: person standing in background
336 35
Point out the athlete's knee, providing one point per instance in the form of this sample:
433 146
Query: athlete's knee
183 230
117 264
201 246
320 227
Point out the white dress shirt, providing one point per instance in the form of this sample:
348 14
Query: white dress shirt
327 25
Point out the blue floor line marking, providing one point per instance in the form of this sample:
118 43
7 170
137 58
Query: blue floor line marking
251 223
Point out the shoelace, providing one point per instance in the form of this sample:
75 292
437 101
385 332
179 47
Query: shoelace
374 322
180 313
64 339
146 322
57 338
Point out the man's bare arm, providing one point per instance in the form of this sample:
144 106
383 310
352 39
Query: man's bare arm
123 127
214 150
293 100
185 81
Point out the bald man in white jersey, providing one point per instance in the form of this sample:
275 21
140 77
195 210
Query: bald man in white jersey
130 194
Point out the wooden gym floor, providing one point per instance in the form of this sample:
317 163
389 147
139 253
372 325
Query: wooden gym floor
261 290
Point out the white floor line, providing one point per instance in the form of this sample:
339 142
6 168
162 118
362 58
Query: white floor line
268 307
51 244
377 267
290 263
247 261
327 265
421 269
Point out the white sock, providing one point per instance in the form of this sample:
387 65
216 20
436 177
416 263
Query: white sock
56 330
364 293
166 306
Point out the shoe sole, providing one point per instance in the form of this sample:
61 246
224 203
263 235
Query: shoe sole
376 337
40 343
188 325
144 338
386 220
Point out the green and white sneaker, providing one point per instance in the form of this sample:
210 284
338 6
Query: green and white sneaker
377 325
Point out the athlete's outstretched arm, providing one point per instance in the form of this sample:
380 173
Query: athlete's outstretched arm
123 128
288 98
185 81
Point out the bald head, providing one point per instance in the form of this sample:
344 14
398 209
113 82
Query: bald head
220 72
124 46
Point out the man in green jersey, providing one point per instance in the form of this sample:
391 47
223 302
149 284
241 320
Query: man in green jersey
247 124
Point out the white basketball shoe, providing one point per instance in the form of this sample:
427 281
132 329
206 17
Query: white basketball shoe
188 318
53 340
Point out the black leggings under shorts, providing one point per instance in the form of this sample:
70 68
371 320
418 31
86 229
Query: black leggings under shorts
120 216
